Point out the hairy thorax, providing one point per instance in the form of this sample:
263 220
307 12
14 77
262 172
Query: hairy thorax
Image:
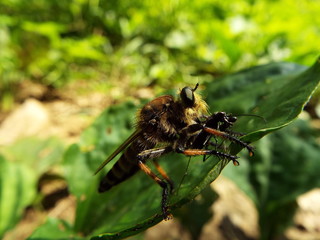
162 118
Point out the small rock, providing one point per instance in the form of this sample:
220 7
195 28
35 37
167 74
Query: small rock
29 119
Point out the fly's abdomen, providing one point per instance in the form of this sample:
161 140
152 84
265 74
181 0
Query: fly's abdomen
124 168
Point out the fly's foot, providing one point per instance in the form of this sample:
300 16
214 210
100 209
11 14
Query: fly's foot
167 215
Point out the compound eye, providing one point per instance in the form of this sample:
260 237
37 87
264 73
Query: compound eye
187 96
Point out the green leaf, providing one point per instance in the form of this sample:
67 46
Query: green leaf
286 165
17 191
21 166
194 215
54 229
40 154
134 205
277 92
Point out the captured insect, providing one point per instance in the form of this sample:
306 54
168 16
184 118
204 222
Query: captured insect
182 126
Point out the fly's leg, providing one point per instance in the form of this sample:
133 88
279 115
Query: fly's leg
164 174
158 152
218 133
202 137
153 153
165 192
204 152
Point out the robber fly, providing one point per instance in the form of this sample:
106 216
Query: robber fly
182 126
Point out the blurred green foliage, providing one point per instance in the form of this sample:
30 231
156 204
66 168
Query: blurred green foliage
55 42
17 191
22 165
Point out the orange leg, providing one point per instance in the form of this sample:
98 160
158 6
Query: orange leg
163 174
197 152
157 152
229 137
164 203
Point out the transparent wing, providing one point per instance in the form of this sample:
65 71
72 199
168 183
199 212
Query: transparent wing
123 146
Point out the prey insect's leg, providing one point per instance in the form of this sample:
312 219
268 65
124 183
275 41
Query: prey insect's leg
230 137
163 174
164 202
198 152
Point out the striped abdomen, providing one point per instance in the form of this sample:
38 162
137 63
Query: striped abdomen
126 166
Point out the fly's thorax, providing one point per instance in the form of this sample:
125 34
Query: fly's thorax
162 118
153 119
151 113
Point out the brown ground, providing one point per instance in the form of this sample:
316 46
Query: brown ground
67 113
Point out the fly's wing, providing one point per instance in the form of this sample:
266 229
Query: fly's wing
123 146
